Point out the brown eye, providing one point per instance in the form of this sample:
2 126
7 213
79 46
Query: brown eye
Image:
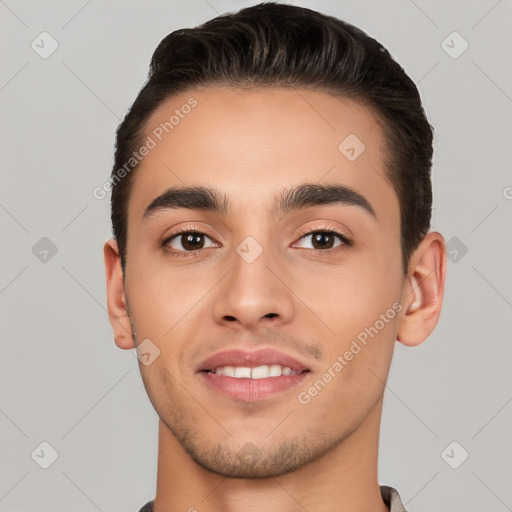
324 240
189 241
192 241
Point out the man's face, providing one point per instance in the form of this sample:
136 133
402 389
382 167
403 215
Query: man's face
275 285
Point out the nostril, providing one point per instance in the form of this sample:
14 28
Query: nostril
271 315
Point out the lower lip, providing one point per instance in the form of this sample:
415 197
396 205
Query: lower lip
250 390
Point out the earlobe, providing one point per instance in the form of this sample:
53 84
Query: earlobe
116 299
424 290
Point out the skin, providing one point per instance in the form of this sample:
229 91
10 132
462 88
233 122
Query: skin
220 454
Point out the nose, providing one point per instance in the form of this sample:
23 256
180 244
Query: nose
254 294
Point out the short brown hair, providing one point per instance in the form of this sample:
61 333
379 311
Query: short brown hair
272 44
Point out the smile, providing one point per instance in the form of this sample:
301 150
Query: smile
259 372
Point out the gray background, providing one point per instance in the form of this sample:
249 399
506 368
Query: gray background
62 379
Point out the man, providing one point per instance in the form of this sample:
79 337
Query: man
271 203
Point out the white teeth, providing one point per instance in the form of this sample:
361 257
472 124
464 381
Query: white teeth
275 370
242 373
259 372
229 371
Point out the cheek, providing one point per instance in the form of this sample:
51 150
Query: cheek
351 297
167 306
354 375
160 296
360 305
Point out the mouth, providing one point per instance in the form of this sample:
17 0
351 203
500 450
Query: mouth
251 376
258 372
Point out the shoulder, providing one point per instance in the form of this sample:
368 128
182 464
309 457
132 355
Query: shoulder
148 507
390 496
392 499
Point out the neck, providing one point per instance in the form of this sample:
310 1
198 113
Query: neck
343 480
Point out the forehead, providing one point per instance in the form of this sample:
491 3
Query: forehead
250 144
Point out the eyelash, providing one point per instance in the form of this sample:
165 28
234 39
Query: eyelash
193 230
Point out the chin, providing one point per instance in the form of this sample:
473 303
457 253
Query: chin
250 462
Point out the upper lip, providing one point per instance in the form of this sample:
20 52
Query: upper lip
251 359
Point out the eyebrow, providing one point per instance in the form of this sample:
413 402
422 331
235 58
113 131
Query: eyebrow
302 196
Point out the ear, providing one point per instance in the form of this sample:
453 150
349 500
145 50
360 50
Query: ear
423 291
116 300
